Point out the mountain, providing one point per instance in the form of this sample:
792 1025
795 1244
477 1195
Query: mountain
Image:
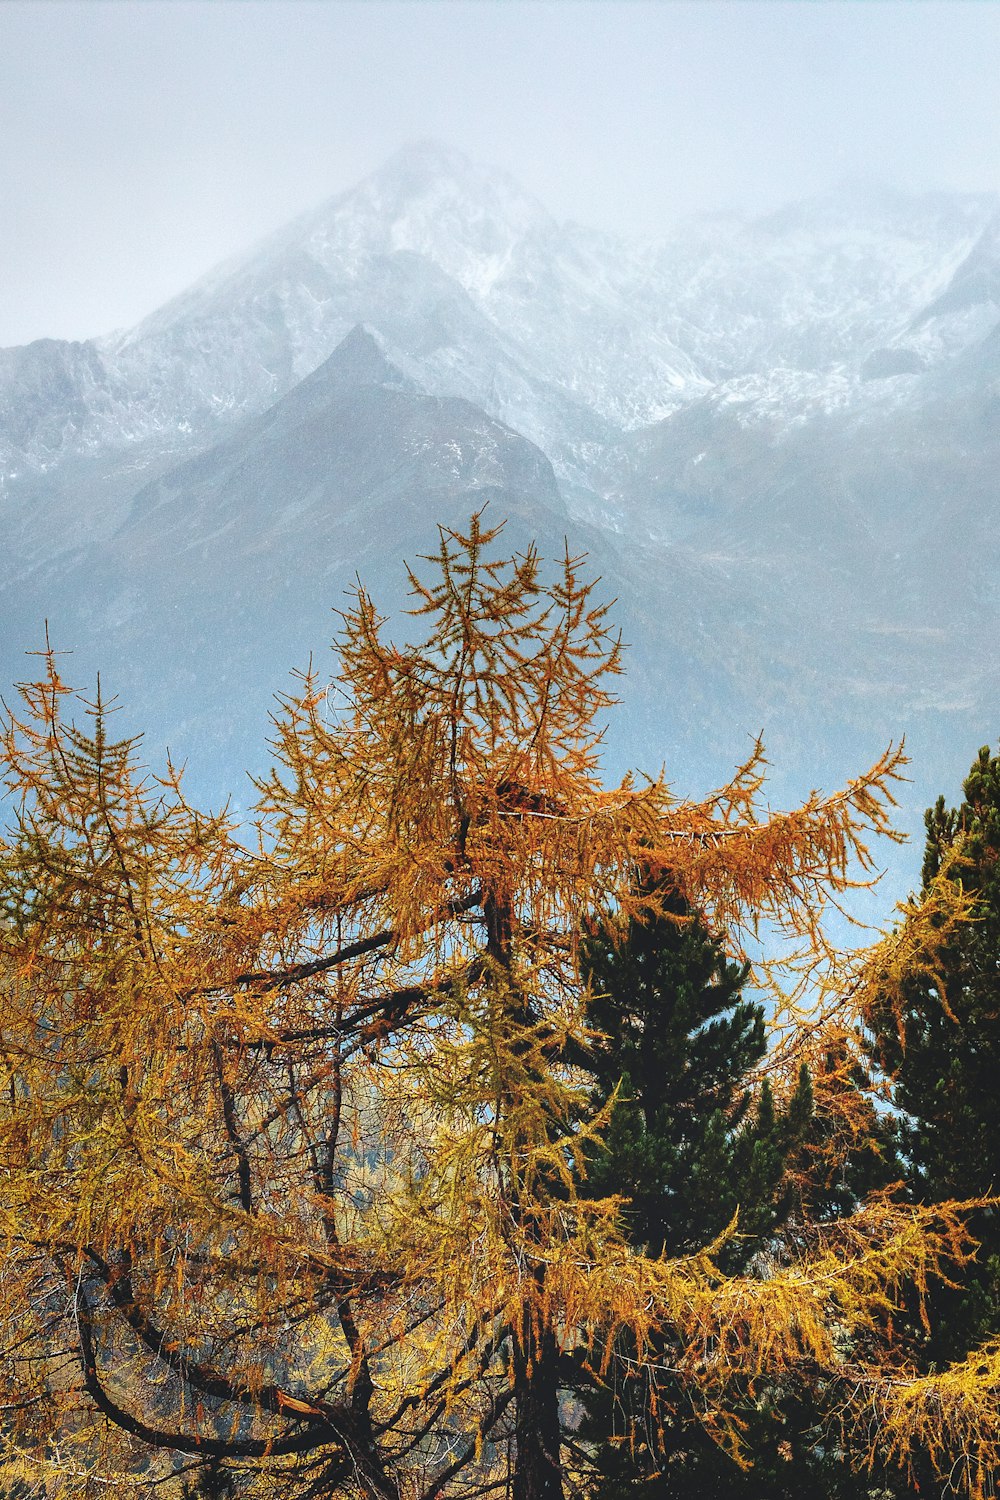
223 572
778 437
566 334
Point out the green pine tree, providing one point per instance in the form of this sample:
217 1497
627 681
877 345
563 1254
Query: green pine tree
942 1047
685 1144
689 1146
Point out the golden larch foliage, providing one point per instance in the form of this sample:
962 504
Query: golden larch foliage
289 1139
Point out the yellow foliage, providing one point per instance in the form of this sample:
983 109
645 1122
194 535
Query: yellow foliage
952 1417
290 1141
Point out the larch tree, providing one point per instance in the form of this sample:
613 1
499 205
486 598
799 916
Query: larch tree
293 1127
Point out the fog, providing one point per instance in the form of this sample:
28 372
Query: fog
142 142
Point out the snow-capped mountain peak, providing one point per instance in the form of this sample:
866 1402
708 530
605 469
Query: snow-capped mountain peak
433 201
572 337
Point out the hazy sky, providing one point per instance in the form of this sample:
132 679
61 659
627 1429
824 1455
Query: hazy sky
143 140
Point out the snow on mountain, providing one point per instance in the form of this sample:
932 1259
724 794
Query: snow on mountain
780 436
568 335
222 572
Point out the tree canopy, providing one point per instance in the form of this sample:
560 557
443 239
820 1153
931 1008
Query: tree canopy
295 1123
937 1036
688 1148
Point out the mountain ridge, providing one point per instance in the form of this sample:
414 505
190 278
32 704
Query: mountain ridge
567 334
779 438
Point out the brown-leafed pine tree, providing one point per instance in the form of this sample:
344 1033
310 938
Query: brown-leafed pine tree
290 1147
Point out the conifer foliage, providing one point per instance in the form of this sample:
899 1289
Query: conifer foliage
941 1044
293 1129
691 1150
937 1035
679 1045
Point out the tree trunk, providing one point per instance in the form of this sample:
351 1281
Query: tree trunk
537 1472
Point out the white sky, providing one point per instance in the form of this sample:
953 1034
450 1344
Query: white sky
143 140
